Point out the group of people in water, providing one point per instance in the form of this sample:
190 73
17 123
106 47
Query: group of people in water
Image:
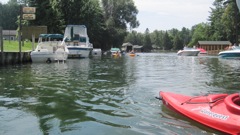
117 53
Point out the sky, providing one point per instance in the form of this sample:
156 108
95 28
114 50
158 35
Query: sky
168 14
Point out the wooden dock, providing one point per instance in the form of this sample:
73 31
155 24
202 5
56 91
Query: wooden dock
12 58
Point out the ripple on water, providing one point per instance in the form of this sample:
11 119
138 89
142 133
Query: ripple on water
109 96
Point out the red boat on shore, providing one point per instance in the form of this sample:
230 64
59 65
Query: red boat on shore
218 111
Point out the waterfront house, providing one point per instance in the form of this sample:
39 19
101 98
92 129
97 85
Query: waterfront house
213 47
137 48
9 34
127 47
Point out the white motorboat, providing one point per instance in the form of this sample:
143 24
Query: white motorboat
97 52
115 52
233 52
188 52
50 48
77 41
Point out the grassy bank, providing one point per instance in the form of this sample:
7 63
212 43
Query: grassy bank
13 46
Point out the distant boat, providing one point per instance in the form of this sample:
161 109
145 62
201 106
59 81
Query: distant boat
202 51
233 52
50 48
96 52
77 41
115 52
132 54
188 52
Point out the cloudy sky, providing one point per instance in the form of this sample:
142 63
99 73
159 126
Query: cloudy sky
168 14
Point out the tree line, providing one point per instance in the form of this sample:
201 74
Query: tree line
110 23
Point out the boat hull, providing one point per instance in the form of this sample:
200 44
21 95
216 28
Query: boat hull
116 55
49 51
77 41
212 110
188 53
79 52
132 54
37 57
96 53
233 52
228 54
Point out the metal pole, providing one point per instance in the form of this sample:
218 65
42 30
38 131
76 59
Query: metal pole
236 24
33 41
20 34
1 44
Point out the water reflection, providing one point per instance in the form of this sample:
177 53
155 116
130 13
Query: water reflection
225 74
109 95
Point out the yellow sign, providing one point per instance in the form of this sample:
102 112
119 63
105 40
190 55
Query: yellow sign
29 16
29 10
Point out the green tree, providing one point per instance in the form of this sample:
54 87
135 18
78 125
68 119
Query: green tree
156 38
167 44
118 15
47 16
83 12
134 37
185 35
177 42
216 26
199 33
230 21
224 21
147 44
8 15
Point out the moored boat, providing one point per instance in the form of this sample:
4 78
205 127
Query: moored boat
132 54
232 52
96 52
50 48
77 41
218 111
188 52
115 52
202 51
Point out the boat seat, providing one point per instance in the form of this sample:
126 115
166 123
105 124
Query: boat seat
214 97
233 103
43 50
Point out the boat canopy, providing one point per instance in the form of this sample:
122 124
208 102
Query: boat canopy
115 49
76 32
50 37
55 36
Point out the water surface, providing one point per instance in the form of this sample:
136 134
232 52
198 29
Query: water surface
108 96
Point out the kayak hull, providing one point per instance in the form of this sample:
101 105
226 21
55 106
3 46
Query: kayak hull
132 54
216 110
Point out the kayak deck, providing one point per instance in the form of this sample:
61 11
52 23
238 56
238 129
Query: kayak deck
218 111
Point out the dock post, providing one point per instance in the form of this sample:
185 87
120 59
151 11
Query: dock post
20 35
1 44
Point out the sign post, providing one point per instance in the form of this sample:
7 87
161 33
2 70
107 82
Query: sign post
29 13
26 13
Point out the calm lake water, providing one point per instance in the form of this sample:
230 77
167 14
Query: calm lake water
109 96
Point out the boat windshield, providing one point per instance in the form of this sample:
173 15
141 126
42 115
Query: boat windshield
187 48
50 37
76 32
115 49
236 48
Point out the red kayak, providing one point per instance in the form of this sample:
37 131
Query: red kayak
218 111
